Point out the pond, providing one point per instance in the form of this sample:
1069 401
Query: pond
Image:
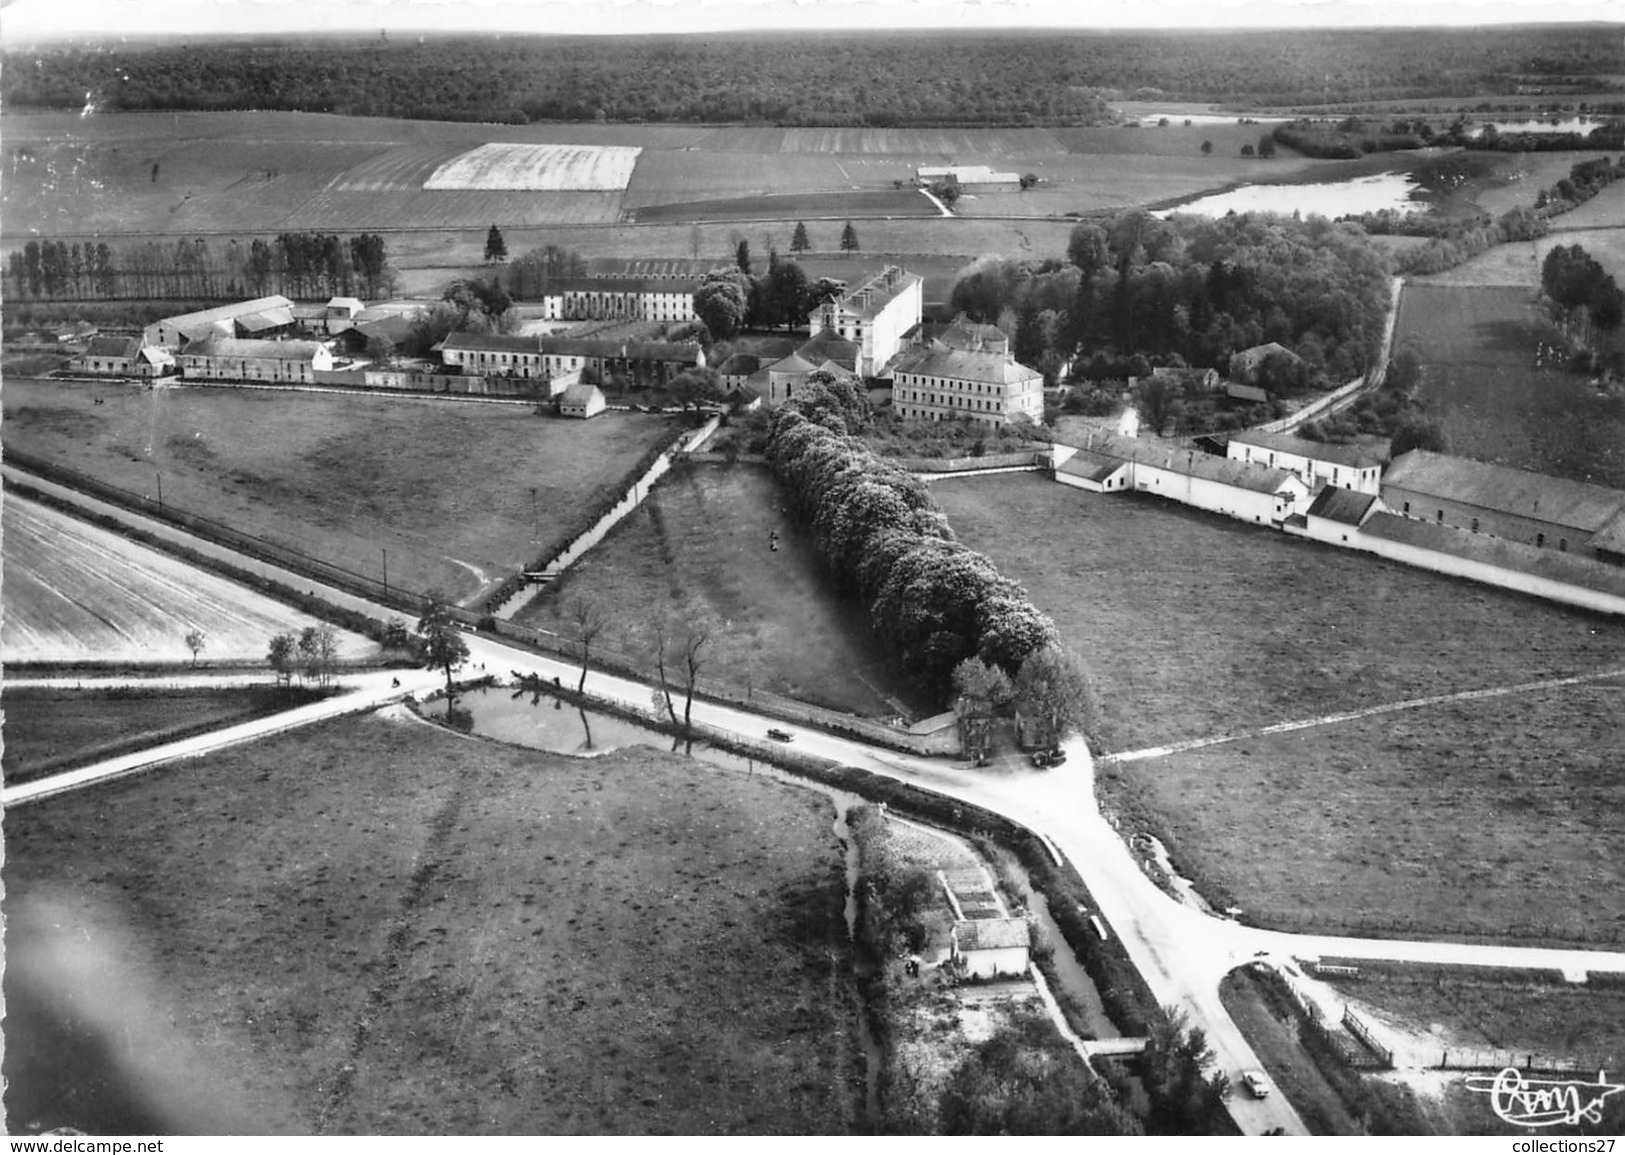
1363 194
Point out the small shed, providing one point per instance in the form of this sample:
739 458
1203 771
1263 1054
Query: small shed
581 400
990 947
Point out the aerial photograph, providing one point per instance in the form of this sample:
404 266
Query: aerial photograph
893 570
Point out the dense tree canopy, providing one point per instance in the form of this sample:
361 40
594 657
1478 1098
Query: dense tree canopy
866 77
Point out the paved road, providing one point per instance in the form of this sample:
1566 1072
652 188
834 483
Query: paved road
1181 952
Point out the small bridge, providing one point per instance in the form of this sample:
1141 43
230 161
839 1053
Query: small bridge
1113 1048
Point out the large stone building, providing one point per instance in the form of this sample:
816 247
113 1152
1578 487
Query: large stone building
663 299
1515 504
278 362
939 384
877 316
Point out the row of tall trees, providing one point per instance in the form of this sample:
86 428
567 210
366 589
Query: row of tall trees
297 264
931 601
1190 287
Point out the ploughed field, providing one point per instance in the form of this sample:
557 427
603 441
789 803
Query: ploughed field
78 593
244 173
697 552
1495 378
374 927
445 487
1468 819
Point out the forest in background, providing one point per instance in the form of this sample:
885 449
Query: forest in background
808 78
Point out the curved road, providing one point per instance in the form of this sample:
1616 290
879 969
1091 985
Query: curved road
1181 952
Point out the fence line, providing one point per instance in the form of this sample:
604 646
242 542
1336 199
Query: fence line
1479 1060
1362 1031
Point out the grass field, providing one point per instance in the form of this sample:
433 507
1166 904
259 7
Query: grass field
1197 625
1581 1022
1492 819
75 592
1499 398
372 927
444 487
48 729
698 551
1483 819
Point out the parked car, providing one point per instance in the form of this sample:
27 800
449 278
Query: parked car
780 735
1256 1084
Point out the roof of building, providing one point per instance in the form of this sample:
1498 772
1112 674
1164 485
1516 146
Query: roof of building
183 321
963 333
580 394
968 174
261 320
1191 463
622 284
203 330
767 348
739 365
347 305
794 363
1501 488
992 933
1345 505
1249 358
1611 536
1518 556
248 347
490 343
871 297
1090 465
836 370
309 312
968 365
1246 392
654 351
828 345
153 355
123 347
1351 456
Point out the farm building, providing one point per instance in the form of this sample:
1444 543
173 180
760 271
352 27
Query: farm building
1316 462
1095 472
123 357
876 316
942 384
492 355
989 947
968 176
1247 491
1188 380
581 400
261 317
645 363
963 333
1337 513
1515 504
1247 365
737 370
355 336
233 359
620 298
1238 392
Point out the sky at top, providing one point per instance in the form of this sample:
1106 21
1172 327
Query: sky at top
27 21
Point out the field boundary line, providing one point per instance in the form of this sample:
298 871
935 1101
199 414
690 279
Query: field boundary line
1354 715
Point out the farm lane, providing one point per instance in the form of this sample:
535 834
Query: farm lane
369 691
1353 715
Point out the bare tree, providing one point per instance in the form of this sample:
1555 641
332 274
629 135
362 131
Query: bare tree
660 646
589 620
693 639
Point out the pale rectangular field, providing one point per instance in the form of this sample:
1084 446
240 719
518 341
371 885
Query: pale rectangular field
537 168
78 593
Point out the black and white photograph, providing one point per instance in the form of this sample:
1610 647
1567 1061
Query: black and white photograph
895 570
